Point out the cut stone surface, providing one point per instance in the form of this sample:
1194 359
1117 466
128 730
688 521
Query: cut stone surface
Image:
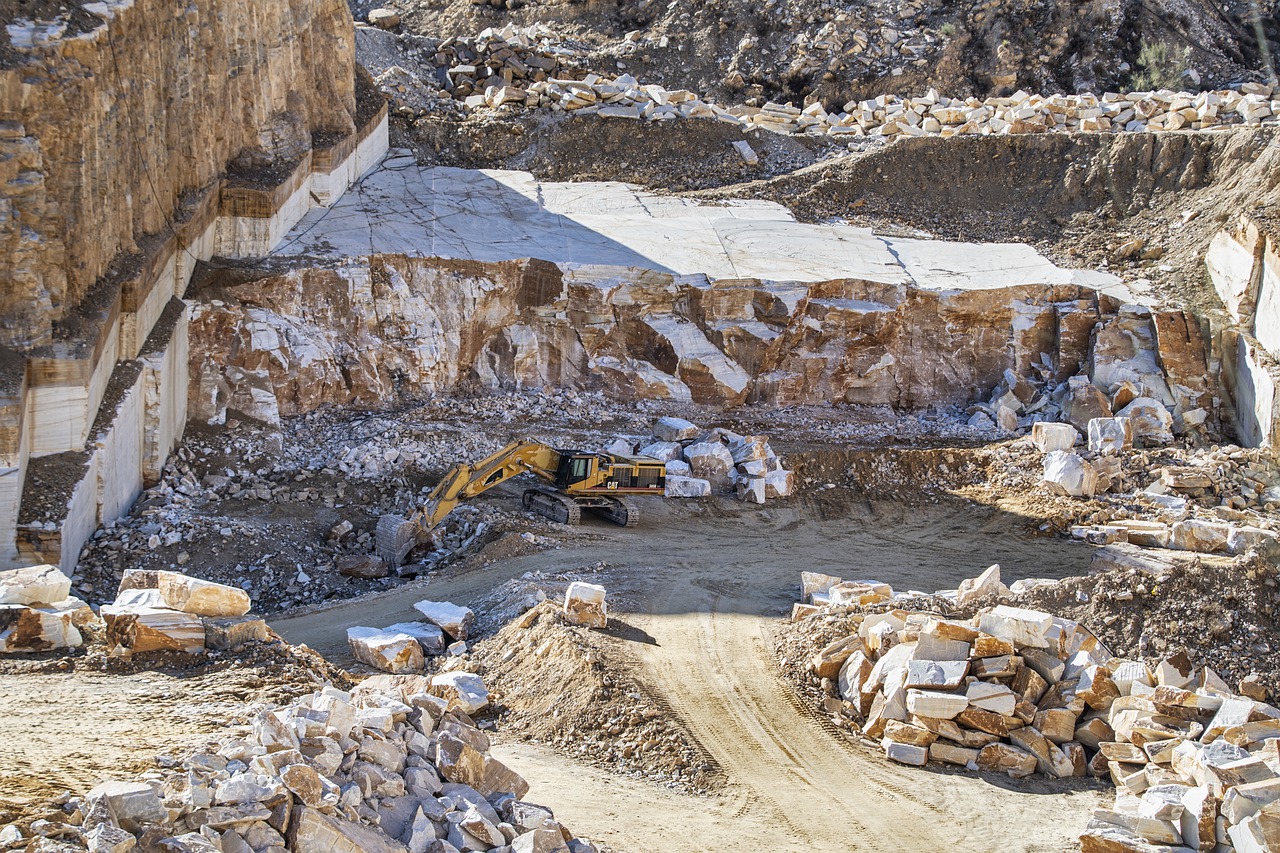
1048 437
429 636
935 704
188 594
35 585
454 620
584 605
32 629
148 629
233 632
1069 474
1017 625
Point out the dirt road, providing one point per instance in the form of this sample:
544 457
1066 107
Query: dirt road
707 582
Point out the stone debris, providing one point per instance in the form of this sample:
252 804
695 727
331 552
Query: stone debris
454 620
701 464
584 605
533 68
396 765
1021 692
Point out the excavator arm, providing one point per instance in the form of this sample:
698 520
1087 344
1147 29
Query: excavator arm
396 537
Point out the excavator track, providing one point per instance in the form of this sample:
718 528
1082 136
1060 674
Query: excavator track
620 511
552 505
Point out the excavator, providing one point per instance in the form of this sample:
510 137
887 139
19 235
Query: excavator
574 480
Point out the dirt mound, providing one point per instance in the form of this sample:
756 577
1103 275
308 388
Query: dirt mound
570 688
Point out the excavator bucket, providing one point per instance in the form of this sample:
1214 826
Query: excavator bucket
395 538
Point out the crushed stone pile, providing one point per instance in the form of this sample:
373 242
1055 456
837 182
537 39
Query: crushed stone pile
385 768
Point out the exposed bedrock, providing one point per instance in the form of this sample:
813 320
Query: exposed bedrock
387 327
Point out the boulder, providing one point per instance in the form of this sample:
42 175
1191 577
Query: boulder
674 429
779 484
1067 473
311 831
663 451
711 461
987 583
384 18
35 585
131 803
1018 626
936 704
1083 403
1048 437
584 605
368 566
687 487
1241 539
429 636
1151 421
812 583
146 629
462 690
678 468
228 633
188 594
752 490
1110 436
32 629
1203 537
454 620
905 753
1003 758
389 651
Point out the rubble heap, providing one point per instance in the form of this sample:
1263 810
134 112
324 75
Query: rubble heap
700 464
386 768
1020 691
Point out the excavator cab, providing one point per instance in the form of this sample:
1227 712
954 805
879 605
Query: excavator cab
574 468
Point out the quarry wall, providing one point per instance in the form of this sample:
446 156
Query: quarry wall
130 152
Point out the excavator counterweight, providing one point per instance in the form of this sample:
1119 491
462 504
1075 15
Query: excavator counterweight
573 480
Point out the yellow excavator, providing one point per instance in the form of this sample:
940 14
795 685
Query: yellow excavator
575 480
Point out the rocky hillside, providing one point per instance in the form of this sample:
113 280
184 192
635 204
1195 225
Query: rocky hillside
819 50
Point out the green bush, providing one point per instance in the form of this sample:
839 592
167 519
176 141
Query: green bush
1160 66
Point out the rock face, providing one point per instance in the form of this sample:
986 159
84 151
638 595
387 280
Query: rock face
77 127
371 329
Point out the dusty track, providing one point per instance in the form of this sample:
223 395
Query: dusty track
708 581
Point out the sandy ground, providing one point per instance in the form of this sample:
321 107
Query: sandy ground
708 582
70 731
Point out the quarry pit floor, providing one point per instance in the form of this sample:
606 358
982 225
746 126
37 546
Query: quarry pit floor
698 588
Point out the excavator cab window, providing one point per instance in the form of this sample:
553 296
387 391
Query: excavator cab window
574 469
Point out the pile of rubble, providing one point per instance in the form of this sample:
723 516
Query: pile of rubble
390 767
1021 691
889 115
153 611
444 629
700 464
